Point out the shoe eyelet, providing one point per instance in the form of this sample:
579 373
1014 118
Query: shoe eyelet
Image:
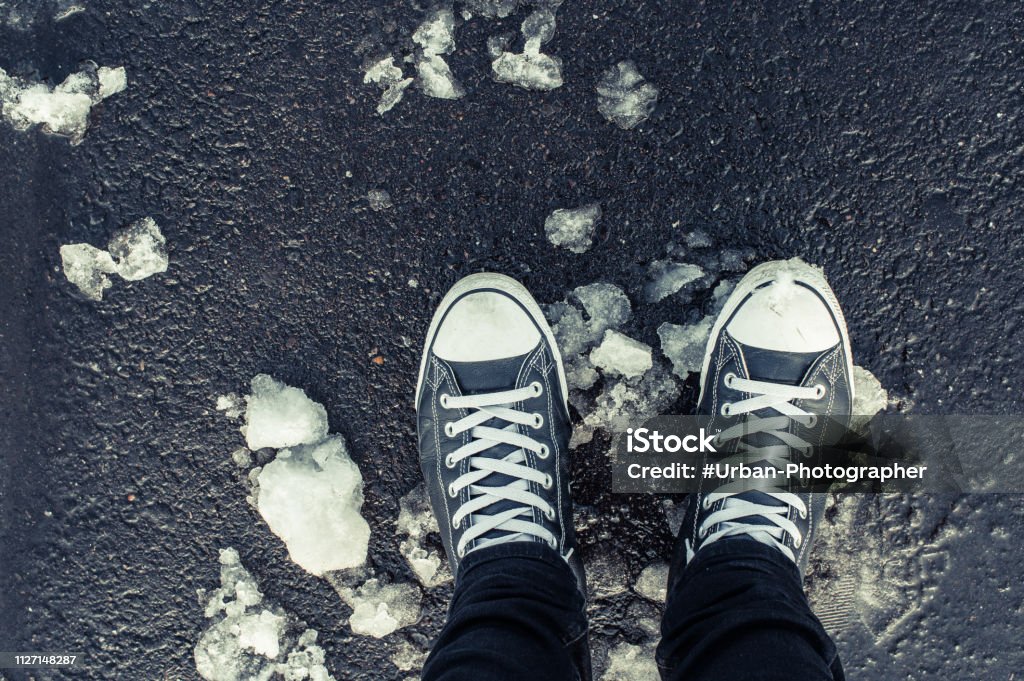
704 503
812 422
819 391
461 552
456 525
726 409
553 545
803 514
449 462
797 541
729 378
451 491
449 429
543 453
443 399
537 388
550 515
547 482
702 533
538 421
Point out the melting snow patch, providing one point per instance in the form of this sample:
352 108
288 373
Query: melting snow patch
136 252
492 9
231 404
652 583
623 97
531 69
416 522
628 662
64 109
634 386
665 277
251 639
389 78
408 658
573 228
379 609
869 397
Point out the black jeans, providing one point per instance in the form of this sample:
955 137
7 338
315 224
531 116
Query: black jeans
737 611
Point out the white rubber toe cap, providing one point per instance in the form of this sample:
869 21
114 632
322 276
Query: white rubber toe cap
483 326
784 315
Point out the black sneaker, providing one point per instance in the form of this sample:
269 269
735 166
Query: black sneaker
777 382
493 422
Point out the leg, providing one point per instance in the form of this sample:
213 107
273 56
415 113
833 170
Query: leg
493 426
776 381
738 611
516 614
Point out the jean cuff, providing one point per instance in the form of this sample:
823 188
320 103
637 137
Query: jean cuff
531 550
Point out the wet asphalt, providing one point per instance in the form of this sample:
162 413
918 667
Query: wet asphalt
881 140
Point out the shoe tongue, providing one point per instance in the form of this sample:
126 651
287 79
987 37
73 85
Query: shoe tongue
776 366
491 375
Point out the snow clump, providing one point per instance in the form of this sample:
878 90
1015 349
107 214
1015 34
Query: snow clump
652 583
311 494
620 355
573 228
249 638
379 609
62 110
623 97
135 252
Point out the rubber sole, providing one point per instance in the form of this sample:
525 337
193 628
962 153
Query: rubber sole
509 286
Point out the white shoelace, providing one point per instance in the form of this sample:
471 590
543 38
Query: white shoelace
515 464
729 517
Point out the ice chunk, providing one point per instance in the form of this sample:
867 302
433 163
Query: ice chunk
408 658
135 252
62 110
652 583
415 522
538 28
310 496
389 78
379 609
281 416
628 662
607 306
251 639
378 199
492 9
87 268
436 36
623 97
139 250
720 294
112 80
573 228
436 79
665 277
684 346
231 404
531 69
620 355
869 397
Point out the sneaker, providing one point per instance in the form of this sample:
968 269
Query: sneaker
777 380
493 422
